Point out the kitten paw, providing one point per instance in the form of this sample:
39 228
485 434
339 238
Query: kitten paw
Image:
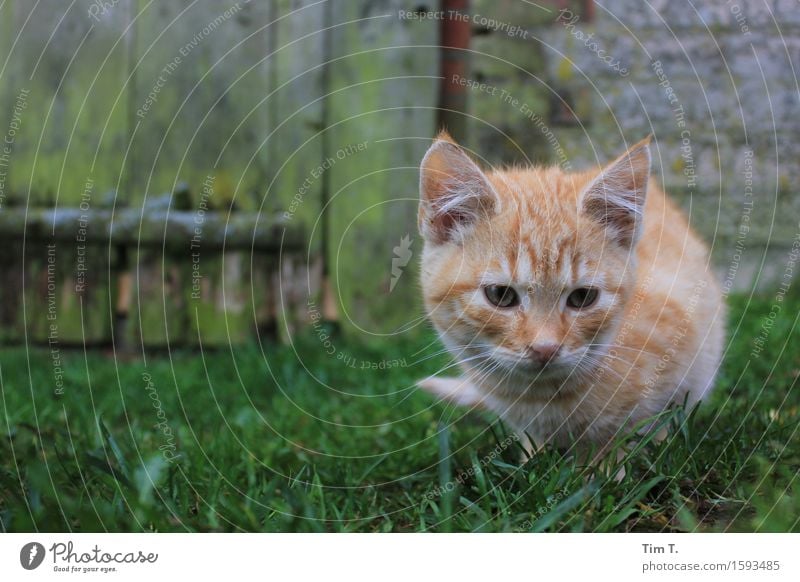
458 391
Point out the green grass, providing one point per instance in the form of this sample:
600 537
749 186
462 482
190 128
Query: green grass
296 440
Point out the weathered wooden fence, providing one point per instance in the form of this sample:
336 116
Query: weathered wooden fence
144 278
286 107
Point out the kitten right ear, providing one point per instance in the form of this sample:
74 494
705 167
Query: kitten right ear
454 192
616 197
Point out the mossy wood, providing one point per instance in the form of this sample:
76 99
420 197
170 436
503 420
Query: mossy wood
205 279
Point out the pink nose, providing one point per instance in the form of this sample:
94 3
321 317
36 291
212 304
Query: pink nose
543 353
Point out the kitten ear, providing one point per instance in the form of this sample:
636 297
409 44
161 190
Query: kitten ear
616 197
454 192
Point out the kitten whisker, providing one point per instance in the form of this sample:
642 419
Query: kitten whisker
457 363
454 351
598 363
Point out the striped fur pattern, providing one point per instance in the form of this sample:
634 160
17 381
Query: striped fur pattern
652 336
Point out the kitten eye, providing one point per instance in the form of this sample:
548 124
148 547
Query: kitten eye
582 298
501 295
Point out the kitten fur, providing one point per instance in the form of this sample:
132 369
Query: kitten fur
654 335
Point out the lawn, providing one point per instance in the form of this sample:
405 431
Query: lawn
299 439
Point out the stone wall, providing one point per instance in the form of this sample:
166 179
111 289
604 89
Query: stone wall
714 81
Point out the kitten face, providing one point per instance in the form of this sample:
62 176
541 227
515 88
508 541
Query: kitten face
528 272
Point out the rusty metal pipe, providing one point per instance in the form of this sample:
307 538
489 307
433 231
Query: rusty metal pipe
455 33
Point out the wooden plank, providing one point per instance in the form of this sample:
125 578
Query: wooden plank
185 288
176 230
198 99
293 142
294 148
74 128
211 299
66 295
159 315
383 97
7 85
67 70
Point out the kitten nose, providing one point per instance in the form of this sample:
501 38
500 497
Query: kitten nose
543 353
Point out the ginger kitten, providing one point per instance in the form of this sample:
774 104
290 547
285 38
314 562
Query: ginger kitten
577 304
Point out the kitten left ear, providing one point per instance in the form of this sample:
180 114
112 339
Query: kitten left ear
616 197
454 192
